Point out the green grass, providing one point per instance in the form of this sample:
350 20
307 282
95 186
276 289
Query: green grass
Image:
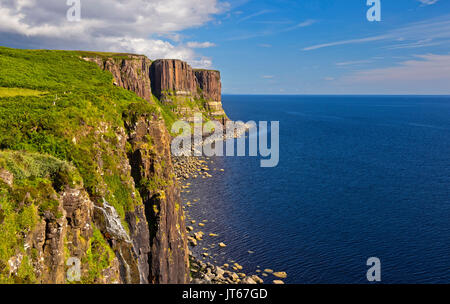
166 111
22 203
32 193
12 92
99 257
32 166
63 123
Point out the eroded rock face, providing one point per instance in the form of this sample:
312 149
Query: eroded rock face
53 249
172 81
170 77
79 214
168 257
140 236
130 247
109 222
209 82
211 90
132 73
56 238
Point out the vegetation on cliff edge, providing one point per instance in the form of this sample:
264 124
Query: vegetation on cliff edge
65 113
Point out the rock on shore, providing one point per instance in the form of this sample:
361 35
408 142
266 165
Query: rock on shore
207 273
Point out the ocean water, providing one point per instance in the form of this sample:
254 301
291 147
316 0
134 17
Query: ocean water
358 177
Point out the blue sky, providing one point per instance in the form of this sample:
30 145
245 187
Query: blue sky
260 47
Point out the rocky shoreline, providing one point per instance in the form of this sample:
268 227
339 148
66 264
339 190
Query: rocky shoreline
188 168
208 273
209 139
202 272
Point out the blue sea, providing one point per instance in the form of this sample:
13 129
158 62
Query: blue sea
358 177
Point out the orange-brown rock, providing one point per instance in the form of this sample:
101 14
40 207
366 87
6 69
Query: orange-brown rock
211 91
171 77
131 73
174 81
209 83
168 257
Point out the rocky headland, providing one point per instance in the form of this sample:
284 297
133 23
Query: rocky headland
88 174
188 91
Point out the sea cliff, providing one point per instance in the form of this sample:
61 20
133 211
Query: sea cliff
172 82
86 174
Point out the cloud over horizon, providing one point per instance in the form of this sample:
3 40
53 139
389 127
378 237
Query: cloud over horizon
136 26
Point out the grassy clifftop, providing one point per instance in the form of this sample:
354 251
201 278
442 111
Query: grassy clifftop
69 94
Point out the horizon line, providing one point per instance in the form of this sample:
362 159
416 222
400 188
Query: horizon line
349 94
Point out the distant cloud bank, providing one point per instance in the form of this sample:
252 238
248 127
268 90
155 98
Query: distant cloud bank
137 26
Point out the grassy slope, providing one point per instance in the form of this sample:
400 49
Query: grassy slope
33 193
57 129
12 92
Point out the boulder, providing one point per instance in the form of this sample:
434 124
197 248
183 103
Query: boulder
281 274
248 280
234 276
257 279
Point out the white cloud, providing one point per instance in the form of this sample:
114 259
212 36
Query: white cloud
200 45
343 42
306 23
259 13
264 33
355 62
111 25
428 2
267 76
429 30
415 44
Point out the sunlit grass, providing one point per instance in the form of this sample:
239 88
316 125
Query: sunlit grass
13 92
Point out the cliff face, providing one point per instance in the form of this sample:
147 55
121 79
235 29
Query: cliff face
147 245
211 90
173 82
154 249
100 194
172 78
152 169
209 83
131 72
96 190
61 227
161 247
